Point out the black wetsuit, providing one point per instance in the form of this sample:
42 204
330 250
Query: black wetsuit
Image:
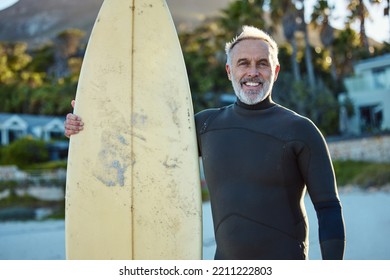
258 162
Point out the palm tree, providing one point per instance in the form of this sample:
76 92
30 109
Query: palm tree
284 11
345 44
360 12
239 13
320 19
308 55
67 44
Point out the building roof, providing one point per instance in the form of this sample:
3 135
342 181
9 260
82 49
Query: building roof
32 120
5 116
370 63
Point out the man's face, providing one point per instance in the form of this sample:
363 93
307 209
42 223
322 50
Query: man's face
252 71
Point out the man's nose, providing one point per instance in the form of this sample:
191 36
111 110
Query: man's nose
253 71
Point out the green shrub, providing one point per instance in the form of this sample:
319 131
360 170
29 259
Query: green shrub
24 152
363 174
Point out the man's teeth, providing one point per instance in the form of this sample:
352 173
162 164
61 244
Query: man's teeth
252 84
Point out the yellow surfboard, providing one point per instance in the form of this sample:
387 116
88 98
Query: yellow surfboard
133 189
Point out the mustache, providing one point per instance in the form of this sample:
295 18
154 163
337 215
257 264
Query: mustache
252 80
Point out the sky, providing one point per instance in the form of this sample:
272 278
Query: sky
378 27
5 3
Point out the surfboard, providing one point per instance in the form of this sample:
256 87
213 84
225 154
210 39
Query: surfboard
133 188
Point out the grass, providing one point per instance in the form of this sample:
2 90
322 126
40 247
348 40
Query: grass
362 174
60 164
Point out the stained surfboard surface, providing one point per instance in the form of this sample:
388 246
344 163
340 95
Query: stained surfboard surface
133 189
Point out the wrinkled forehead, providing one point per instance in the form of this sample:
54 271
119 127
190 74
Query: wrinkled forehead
251 48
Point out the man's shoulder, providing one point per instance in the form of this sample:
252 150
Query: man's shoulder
291 114
207 113
204 118
295 121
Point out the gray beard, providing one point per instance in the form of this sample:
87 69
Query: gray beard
251 97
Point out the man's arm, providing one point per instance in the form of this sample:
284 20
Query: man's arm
317 170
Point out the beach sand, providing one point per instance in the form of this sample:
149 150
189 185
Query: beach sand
366 214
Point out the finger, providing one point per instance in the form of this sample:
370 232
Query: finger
73 103
73 117
74 120
75 123
71 130
67 133
73 126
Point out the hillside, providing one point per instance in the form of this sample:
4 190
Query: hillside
37 21
28 21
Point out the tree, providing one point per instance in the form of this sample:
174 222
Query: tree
17 80
308 49
239 13
204 59
67 44
345 45
303 95
286 11
358 11
26 85
13 61
320 19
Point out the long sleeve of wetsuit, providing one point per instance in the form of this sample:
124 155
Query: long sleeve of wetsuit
331 230
317 170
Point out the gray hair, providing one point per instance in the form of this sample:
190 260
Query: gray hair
251 32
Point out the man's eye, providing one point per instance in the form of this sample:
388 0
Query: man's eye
263 63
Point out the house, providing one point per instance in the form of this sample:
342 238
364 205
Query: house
12 127
369 91
47 128
15 126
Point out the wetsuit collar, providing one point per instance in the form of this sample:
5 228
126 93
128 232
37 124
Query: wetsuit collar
265 104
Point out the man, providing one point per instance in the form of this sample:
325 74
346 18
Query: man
259 158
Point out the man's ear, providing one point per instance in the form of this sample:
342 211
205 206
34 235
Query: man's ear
229 74
277 69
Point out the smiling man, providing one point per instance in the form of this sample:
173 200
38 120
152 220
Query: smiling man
251 68
259 159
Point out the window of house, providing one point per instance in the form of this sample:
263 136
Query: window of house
371 118
14 134
56 133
